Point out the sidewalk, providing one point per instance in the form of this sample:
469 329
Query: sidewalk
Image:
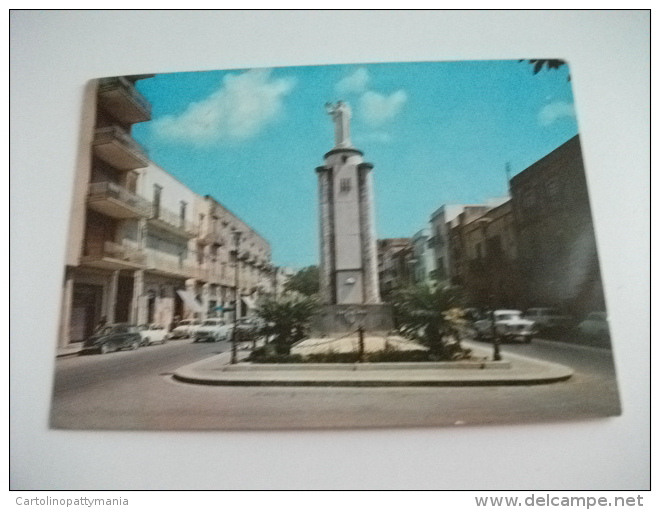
512 370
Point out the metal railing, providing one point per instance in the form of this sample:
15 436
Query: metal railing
119 82
116 251
103 190
108 133
172 219
170 264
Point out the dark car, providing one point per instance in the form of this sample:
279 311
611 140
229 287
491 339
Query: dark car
247 329
113 337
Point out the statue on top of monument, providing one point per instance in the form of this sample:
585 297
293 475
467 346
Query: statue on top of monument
341 115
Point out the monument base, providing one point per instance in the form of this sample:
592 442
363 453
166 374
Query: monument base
338 319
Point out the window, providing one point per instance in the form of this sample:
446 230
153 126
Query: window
553 188
182 212
344 185
157 192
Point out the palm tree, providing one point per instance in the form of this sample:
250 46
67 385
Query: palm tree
432 316
287 319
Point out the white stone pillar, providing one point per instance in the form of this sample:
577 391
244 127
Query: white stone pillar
368 235
64 337
138 309
191 286
112 298
205 300
325 235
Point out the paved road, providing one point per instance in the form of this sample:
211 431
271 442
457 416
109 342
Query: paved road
134 390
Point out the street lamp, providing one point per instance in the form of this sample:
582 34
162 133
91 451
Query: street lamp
237 242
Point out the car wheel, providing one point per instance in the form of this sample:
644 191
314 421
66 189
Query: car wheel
146 342
528 340
105 349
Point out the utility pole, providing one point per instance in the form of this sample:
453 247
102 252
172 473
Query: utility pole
237 297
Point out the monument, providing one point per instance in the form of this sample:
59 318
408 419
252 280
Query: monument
348 257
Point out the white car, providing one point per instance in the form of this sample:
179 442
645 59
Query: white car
548 318
213 330
595 326
185 328
152 333
509 325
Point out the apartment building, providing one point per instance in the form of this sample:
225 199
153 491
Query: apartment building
395 257
143 247
555 233
102 253
218 270
423 261
439 240
484 255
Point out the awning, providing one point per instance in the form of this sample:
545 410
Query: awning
249 302
190 300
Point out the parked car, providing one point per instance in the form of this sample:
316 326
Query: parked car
595 326
509 325
185 329
248 328
152 333
548 319
213 330
113 337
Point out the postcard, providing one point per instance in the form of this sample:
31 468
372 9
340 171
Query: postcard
340 246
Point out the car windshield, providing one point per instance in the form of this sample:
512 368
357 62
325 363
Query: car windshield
597 316
185 323
507 316
212 323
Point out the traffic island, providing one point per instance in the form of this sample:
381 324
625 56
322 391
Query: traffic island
480 371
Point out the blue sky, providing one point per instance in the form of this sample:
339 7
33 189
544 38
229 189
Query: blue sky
437 133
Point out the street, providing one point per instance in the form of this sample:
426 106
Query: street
135 390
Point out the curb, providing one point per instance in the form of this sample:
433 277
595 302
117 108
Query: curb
520 371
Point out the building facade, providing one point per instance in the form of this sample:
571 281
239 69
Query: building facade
137 243
423 261
484 255
218 271
439 240
555 233
102 254
395 256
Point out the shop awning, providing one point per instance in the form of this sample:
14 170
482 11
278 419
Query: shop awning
190 300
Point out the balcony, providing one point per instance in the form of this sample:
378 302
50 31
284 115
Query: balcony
169 265
172 223
212 238
114 146
115 201
122 100
113 256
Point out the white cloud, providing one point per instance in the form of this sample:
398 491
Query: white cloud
555 111
376 109
355 83
238 110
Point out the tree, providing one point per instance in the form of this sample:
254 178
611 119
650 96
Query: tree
287 319
549 63
305 281
433 316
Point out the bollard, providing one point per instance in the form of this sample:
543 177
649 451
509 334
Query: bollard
233 347
496 338
361 344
